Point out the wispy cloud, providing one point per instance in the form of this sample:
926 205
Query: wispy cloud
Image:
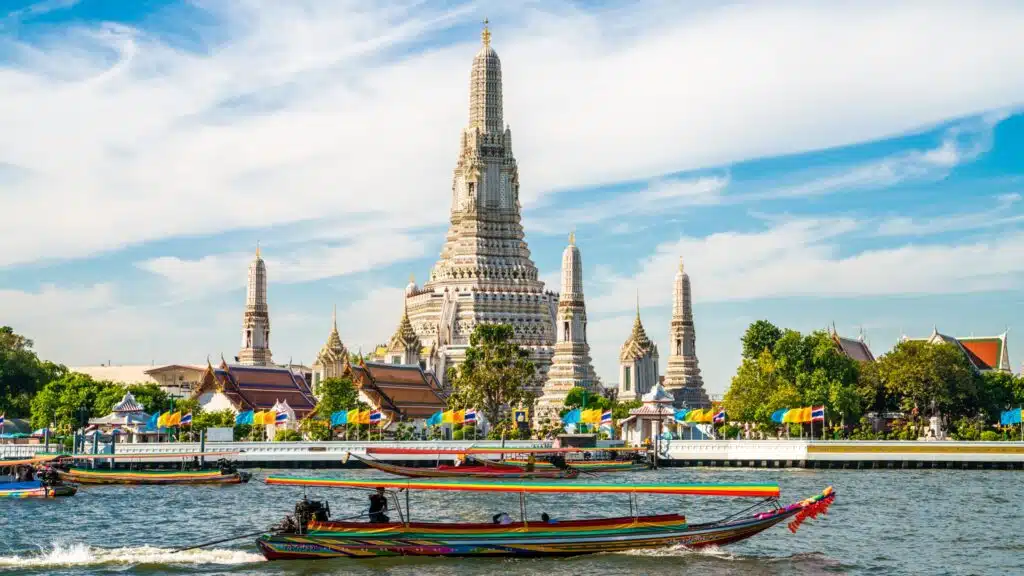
1001 214
286 111
658 196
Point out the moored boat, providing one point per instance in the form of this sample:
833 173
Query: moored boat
485 470
225 472
311 534
26 484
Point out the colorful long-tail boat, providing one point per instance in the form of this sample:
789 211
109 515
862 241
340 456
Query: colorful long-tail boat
47 485
538 465
311 534
486 470
224 473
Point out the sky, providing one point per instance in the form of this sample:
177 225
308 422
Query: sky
814 163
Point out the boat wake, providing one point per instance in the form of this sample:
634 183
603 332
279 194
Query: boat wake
83 555
712 551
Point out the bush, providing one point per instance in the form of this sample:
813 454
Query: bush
989 436
728 431
287 436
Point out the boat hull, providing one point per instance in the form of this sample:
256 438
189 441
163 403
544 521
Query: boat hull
587 465
36 490
151 477
532 541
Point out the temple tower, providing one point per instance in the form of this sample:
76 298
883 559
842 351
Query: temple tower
571 365
331 360
683 379
638 363
484 273
256 320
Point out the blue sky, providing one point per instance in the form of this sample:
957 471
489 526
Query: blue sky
855 163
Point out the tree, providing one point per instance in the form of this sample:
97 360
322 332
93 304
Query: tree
495 374
579 397
755 390
22 374
58 403
336 394
760 336
925 375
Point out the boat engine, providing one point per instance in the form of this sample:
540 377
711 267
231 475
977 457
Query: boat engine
558 461
227 467
49 477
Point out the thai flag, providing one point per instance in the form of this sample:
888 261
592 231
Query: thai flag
375 417
186 420
2 419
817 414
281 418
606 417
720 417
470 416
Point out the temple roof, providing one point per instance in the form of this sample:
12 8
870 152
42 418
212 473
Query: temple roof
638 344
406 390
259 387
128 404
405 337
333 350
657 394
854 349
984 352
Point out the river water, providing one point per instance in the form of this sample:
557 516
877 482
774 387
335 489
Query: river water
932 522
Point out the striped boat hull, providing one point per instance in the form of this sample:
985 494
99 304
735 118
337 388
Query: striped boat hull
38 491
570 538
499 473
150 477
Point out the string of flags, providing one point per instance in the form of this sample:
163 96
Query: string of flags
592 416
261 418
465 416
805 415
356 416
701 416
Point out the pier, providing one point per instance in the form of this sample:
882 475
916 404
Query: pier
705 453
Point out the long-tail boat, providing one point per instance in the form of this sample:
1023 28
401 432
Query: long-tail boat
485 470
225 471
45 485
311 534
556 456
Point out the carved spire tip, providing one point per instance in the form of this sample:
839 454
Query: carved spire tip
257 249
485 36
572 238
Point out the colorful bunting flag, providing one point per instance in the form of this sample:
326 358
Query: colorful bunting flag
470 416
186 420
817 414
281 417
376 417
719 418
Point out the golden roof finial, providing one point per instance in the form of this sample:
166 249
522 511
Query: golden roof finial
412 278
485 36
680 263
257 248
572 238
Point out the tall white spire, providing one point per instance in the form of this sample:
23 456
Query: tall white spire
485 102
683 378
256 319
571 365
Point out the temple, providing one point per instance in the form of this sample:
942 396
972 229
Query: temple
330 361
571 365
239 388
682 378
401 393
985 353
484 274
854 349
256 320
638 363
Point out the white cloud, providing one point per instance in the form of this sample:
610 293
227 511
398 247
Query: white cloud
300 110
222 272
658 196
998 216
804 258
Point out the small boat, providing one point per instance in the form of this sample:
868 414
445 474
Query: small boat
46 485
486 470
225 472
555 457
311 534
586 465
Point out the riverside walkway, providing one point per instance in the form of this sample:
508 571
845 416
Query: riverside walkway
714 453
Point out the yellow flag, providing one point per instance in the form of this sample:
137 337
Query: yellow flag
458 417
805 414
174 419
592 416
448 417
352 416
260 418
161 422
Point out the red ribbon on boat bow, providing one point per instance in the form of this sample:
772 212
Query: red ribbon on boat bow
811 511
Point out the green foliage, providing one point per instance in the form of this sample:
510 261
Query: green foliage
728 431
508 430
621 410
580 397
989 436
59 401
315 429
760 336
495 373
930 377
968 428
287 435
22 373
336 394
201 420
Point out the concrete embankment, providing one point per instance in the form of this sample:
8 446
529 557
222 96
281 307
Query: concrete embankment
713 453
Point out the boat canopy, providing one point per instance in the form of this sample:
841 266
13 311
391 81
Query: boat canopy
736 490
130 456
28 461
496 450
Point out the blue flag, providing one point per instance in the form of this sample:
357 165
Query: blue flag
339 418
435 419
681 415
572 417
151 424
244 417
778 414
1010 417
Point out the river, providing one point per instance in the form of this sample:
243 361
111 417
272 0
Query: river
933 522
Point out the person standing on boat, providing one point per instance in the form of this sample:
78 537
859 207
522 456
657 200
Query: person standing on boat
531 462
378 505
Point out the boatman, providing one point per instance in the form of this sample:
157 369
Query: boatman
378 505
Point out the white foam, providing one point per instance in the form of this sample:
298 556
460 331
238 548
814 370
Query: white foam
714 551
83 555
